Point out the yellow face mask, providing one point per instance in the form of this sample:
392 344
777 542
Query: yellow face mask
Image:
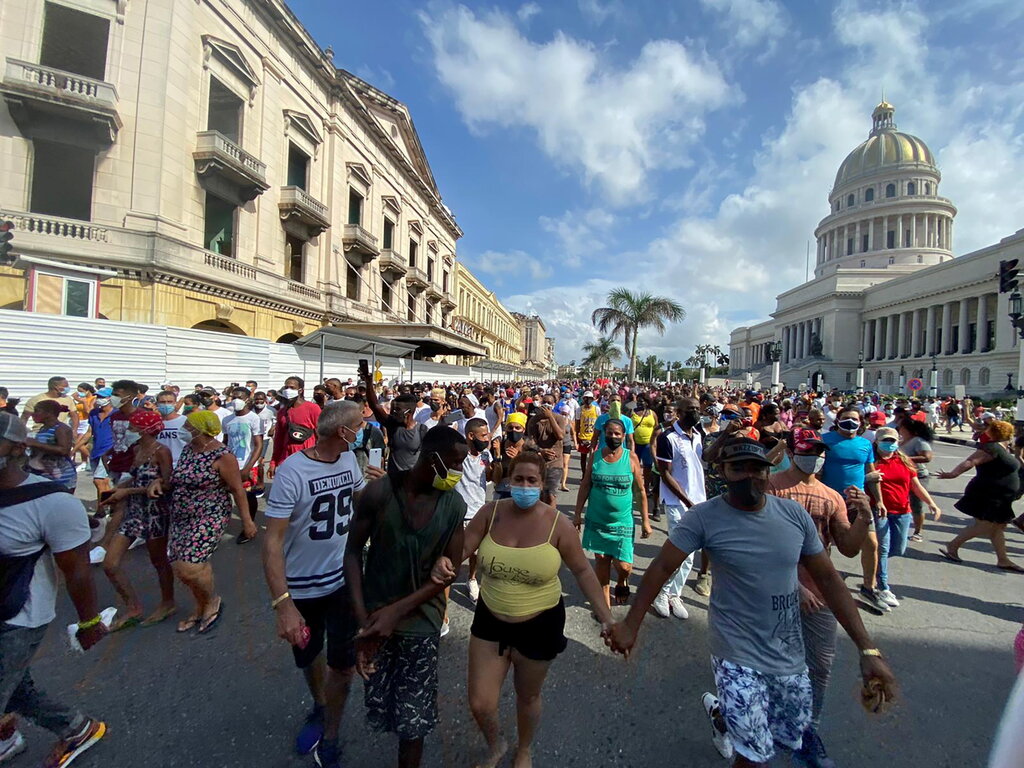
449 480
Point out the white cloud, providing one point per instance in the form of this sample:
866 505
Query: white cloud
513 265
579 233
527 11
751 23
598 12
614 125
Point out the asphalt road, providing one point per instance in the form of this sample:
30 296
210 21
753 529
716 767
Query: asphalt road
234 699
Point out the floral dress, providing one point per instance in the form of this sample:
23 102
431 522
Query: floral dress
200 506
53 466
145 518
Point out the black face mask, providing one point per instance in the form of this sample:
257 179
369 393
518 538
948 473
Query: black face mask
319 399
689 420
613 442
479 444
745 492
434 407
206 401
515 437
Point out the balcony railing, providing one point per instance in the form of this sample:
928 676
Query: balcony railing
359 244
296 203
416 279
216 154
448 300
64 84
433 292
70 229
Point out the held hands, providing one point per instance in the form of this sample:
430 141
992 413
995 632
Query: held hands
620 637
379 625
118 495
156 489
443 571
809 602
366 656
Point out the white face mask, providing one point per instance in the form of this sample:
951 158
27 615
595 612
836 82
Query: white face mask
809 465
116 401
238 404
289 394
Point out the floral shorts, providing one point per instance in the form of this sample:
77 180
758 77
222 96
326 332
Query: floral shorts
146 520
401 696
761 710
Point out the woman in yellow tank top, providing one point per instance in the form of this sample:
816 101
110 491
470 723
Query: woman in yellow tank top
521 543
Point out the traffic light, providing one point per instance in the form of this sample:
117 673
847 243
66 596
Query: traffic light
6 235
1008 275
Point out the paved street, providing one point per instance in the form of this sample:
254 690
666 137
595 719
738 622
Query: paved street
234 698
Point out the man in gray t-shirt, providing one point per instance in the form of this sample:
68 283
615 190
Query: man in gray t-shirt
756 542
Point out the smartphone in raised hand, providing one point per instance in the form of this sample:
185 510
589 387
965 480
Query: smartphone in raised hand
376 457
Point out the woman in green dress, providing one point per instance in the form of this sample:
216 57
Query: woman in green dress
607 491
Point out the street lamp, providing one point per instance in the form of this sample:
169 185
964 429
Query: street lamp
903 380
860 372
775 355
1016 307
934 389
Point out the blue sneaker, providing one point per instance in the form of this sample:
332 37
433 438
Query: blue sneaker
812 753
327 755
312 732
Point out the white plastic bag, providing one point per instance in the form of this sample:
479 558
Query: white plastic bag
106 616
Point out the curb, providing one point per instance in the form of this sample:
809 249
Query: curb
964 441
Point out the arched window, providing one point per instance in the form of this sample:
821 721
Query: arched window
869 194
890 190
888 379
927 187
947 377
911 188
965 375
849 201
983 377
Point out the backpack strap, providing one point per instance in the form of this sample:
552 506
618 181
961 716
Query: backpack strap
9 497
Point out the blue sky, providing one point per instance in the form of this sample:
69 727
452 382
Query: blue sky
684 147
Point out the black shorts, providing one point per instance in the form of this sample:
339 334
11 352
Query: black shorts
541 638
566 450
331 616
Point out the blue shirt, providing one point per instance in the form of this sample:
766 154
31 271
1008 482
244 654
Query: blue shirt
845 460
102 434
602 420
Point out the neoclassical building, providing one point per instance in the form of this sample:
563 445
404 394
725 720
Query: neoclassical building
480 316
204 164
887 291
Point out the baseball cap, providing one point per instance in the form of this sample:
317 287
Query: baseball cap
878 418
807 441
591 395
12 428
743 449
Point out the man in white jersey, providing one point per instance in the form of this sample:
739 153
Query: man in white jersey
243 435
308 515
173 434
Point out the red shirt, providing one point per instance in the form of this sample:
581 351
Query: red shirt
121 455
305 414
896 481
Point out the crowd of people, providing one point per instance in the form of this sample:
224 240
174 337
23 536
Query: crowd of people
379 494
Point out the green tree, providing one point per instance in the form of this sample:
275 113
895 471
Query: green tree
601 355
627 313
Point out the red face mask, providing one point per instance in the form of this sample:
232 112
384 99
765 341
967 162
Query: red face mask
985 438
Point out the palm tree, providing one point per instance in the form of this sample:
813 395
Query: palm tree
722 359
601 354
627 313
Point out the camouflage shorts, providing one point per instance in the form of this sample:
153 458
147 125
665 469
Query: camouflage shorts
401 696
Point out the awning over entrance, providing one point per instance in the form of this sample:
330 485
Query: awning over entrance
344 340
428 340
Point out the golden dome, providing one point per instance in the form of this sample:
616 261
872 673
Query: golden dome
885 147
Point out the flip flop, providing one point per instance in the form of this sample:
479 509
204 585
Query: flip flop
152 623
1013 568
188 624
126 623
951 558
210 621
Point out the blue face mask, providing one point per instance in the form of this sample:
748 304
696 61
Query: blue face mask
165 409
887 446
524 497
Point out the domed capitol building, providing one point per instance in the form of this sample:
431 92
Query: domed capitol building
887 292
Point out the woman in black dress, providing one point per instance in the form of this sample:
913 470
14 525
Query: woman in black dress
989 495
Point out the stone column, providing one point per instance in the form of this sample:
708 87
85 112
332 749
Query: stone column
915 334
901 340
965 326
947 328
929 331
890 336
866 343
876 351
913 230
983 323
899 231
871 234
856 242
885 232
949 246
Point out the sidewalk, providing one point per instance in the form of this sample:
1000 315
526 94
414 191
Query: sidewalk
956 437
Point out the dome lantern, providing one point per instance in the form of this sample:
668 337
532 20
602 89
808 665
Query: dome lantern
882 117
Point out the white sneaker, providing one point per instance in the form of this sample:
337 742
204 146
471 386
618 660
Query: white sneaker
719 736
96 555
887 597
11 746
660 606
445 629
474 590
135 544
675 604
